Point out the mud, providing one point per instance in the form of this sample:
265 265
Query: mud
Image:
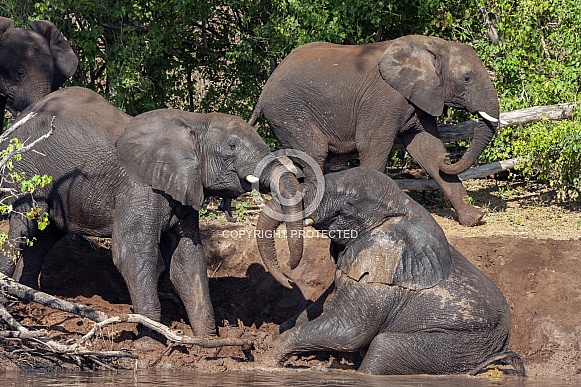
541 280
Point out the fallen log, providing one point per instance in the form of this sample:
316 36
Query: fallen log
465 130
38 341
472 173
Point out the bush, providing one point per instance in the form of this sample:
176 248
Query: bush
549 152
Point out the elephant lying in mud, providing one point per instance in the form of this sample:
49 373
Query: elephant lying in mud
33 62
141 181
401 294
337 102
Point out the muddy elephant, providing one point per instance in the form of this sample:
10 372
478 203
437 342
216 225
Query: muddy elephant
401 293
32 62
335 102
140 181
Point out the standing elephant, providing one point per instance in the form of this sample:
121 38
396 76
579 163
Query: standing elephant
33 62
335 102
140 181
401 292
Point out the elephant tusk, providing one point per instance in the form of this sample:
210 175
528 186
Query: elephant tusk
308 222
503 122
288 164
488 117
252 179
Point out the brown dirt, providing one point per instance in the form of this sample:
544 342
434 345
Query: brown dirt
529 245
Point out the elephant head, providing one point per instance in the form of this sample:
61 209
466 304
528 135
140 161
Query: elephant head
32 62
444 74
190 156
354 203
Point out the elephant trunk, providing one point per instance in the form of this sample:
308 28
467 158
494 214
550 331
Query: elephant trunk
482 136
289 207
266 229
267 226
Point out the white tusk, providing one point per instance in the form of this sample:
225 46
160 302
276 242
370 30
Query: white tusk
308 222
503 122
284 160
487 117
252 179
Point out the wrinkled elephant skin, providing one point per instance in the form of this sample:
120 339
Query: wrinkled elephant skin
401 292
33 62
338 102
139 180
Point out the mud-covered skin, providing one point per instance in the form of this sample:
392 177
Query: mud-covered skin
336 102
401 294
139 180
465 321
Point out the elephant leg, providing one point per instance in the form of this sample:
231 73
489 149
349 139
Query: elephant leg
188 274
135 248
439 352
426 149
139 261
2 108
311 312
27 268
349 322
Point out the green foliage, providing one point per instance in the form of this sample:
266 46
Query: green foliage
216 55
549 152
10 155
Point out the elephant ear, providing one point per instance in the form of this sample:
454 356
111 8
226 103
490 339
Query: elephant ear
5 24
64 57
400 252
410 65
157 149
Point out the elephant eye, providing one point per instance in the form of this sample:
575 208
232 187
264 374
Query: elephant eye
232 146
468 78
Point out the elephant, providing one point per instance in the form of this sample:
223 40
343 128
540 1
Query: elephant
335 102
140 181
33 62
401 293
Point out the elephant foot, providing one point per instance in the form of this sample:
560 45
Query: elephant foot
147 343
470 216
270 359
148 339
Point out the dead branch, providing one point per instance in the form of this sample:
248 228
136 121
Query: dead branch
28 147
8 285
167 333
22 335
465 130
472 173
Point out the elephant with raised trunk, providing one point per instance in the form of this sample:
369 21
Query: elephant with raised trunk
335 102
401 293
33 62
141 181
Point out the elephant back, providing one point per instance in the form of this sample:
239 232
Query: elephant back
85 128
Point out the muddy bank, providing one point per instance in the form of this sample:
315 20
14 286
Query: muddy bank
541 279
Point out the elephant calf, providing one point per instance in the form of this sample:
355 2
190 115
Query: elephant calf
401 294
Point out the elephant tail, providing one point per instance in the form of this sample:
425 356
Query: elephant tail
509 358
257 112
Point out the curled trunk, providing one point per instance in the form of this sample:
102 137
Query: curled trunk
482 136
286 190
266 227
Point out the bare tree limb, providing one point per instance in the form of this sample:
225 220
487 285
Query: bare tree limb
28 147
472 173
168 333
24 292
465 130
